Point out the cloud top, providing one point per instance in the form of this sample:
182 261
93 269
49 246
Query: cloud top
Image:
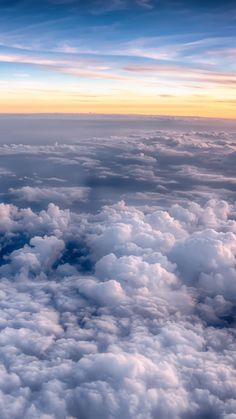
146 331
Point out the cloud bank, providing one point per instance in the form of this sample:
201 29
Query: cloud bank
120 313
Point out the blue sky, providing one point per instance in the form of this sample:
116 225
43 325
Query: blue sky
137 49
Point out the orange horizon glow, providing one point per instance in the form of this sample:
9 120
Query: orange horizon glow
165 106
178 74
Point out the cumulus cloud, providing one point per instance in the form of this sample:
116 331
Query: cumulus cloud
39 256
146 332
125 309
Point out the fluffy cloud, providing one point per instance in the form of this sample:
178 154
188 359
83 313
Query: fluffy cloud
125 309
146 331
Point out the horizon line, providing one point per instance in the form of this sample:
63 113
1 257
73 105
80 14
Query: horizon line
116 114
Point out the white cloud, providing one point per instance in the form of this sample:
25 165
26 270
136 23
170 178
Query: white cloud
56 194
139 337
127 311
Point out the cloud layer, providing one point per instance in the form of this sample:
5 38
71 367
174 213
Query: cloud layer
101 160
118 280
121 313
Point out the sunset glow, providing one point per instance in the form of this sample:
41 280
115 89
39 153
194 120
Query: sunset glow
134 57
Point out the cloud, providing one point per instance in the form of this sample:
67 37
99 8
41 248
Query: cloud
57 194
142 325
186 162
101 6
39 256
125 309
148 4
6 172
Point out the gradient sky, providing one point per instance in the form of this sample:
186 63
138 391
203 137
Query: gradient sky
118 56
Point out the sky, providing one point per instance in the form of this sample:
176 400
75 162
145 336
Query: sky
119 56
